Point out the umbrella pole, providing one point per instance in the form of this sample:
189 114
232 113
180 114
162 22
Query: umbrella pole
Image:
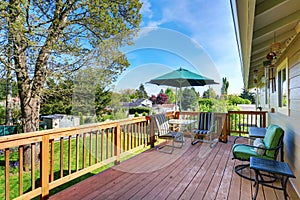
180 99
176 100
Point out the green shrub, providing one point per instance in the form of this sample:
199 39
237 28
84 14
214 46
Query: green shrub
139 110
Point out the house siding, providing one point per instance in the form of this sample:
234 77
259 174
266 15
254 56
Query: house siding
291 122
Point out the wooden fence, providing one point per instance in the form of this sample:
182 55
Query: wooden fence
239 121
66 154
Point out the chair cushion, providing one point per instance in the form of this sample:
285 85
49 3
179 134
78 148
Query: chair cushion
272 138
204 120
258 142
202 132
243 152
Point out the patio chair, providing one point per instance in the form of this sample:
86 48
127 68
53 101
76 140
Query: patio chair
206 130
267 148
163 131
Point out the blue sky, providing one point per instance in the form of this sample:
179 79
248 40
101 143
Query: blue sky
194 34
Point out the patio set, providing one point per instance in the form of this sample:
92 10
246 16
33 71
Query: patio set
261 152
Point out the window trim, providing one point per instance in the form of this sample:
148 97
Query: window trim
281 66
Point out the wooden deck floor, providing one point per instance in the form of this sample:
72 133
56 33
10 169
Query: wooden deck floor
193 172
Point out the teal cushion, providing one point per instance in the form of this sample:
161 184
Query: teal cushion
243 152
272 138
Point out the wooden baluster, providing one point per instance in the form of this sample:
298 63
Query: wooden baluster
84 151
91 149
21 151
107 143
32 166
52 161
7 189
127 137
117 143
70 155
77 152
97 146
102 145
61 157
44 173
112 135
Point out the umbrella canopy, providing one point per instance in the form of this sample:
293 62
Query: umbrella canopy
182 78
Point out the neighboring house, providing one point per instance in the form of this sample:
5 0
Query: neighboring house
268 35
162 108
61 121
139 102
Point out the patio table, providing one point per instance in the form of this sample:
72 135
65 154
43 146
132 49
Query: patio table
277 170
256 132
183 123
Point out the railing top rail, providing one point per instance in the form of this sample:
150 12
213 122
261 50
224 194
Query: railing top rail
36 136
247 112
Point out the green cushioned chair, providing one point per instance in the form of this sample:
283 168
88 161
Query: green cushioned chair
272 143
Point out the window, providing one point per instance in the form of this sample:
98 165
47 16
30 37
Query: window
282 73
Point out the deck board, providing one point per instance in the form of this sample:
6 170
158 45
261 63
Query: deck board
193 172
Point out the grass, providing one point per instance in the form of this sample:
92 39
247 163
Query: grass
108 149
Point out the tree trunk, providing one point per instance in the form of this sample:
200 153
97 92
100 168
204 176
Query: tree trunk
8 97
30 122
8 120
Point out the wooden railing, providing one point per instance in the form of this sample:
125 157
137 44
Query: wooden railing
68 153
65 154
239 121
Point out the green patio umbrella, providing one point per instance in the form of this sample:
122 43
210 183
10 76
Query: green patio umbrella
182 78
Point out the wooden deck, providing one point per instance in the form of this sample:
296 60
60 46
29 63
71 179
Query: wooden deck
193 172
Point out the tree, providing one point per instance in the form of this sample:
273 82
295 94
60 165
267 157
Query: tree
102 100
3 89
225 86
162 98
58 37
248 95
57 97
171 95
153 99
142 92
189 99
127 95
209 93
235 99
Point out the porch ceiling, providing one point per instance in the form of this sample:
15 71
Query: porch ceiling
258 23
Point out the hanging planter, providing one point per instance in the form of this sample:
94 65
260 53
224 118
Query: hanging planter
271 56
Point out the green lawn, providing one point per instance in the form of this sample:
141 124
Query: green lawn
14 182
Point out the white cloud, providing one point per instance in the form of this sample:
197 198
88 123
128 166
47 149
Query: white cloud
146 9
209 23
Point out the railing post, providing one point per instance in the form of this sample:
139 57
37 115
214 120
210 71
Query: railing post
223 126
264 119
152 135
117 143
44 173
